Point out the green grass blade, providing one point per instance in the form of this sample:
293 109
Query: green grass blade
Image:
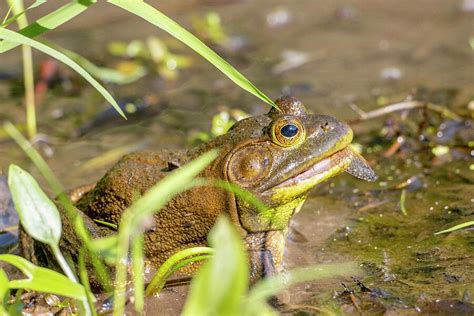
22 12
50 21
138 271
226 273
152 15
4 291
28 71
20 39
103 73
168 267
85 280
457 227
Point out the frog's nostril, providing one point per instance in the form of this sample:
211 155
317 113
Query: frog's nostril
326 127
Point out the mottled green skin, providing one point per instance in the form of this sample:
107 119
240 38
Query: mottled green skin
249 157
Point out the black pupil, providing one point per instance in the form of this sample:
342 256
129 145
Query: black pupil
289 130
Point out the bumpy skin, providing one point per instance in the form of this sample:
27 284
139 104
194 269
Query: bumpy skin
252 155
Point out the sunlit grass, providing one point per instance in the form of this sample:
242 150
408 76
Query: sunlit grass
28 75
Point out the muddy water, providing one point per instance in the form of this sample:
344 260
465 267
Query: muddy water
329 54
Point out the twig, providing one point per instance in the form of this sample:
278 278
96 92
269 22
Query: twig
371 206
401 106
402 202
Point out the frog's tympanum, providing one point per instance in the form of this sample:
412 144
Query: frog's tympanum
278 157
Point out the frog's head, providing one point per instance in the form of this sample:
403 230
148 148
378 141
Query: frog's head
280 156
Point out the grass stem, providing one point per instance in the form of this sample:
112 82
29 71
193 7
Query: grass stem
28 75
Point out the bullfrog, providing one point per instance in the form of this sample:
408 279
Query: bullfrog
278 157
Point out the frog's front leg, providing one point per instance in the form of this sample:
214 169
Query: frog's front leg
265 250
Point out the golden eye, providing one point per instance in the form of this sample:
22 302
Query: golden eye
287 132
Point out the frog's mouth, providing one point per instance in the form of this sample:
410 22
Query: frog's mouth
345 159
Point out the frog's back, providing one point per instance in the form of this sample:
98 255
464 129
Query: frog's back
124 183
184 222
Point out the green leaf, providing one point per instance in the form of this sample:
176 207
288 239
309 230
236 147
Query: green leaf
50 21
4 292
105 74
152 15
174 263
43 280
457 227
20 39
106 248
226 273
39 216
4 289
138 271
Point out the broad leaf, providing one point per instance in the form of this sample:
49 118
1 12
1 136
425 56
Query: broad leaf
43 280
226 273
39 216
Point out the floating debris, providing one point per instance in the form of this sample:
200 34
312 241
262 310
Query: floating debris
391 73
279 18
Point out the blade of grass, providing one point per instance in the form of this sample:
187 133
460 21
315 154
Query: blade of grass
152 201
28 76
4 292
155 17
103 73
85 280
18 38
6 16
226 273
8 21
138 271
50 21
168 267
457 227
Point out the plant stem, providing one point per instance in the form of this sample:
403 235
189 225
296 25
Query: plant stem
84 305
29 91
138 265
85 280
63 263
28 77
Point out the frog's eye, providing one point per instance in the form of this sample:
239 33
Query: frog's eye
287 132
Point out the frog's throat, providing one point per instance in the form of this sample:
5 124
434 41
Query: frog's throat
317 173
